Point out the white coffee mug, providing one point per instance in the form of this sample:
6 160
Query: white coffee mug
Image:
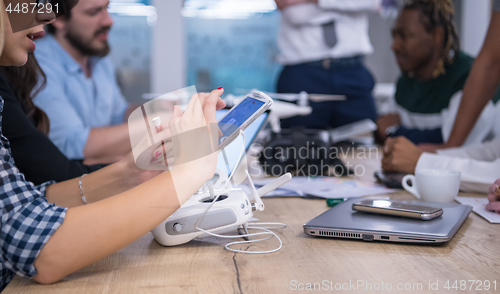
433 184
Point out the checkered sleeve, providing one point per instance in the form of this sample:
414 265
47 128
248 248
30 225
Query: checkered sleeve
28 220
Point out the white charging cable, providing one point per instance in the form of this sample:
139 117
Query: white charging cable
265 230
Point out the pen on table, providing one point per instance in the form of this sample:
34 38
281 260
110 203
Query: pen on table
334 201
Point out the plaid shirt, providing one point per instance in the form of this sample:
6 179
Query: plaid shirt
28 220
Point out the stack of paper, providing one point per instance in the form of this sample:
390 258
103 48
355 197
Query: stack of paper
479 207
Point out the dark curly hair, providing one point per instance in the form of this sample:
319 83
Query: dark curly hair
439 13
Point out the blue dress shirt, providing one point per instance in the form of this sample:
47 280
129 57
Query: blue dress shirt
73 102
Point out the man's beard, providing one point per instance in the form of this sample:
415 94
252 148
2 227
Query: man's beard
85 48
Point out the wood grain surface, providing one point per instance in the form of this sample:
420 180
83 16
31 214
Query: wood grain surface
204 266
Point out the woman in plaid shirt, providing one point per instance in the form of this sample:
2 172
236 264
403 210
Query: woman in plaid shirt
46 232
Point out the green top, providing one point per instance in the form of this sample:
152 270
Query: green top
434 95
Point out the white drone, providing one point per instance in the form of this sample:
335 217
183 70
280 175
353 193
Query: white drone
281 109
282 105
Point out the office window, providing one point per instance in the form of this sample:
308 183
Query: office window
130 41
231 43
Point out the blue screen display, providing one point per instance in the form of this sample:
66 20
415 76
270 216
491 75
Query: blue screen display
233 150
241 113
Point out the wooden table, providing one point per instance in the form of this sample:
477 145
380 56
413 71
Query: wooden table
206 267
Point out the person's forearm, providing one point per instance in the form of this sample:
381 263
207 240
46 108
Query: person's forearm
98 185
107 144
110 144
417 136
385 121
93 231
488 151
481 85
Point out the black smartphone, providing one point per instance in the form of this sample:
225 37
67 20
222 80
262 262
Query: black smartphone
390 179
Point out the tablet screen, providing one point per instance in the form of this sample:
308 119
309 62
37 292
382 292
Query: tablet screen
240 114
233 150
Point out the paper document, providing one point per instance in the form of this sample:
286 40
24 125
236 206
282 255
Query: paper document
479 207
324 187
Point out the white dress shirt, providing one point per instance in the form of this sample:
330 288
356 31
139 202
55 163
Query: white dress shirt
301 36
479 164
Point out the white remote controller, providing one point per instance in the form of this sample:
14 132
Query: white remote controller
232 209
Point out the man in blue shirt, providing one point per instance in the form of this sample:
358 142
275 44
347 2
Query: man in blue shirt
82 99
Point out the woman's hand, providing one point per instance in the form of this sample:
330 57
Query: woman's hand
195 132
194 143
400 155
156 159
494 197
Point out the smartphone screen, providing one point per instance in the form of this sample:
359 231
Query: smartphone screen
237 116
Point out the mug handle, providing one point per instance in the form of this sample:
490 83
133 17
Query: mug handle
412 189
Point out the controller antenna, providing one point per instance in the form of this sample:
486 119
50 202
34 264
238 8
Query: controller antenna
257 194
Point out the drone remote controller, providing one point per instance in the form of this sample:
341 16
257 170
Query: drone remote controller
232 209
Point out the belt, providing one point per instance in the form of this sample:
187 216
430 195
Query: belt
329 63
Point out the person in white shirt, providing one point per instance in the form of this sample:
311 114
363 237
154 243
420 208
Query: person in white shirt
322 44
479 164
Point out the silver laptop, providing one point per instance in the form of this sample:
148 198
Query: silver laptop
343 222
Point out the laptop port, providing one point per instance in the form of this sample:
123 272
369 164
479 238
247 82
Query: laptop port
384 237
367 237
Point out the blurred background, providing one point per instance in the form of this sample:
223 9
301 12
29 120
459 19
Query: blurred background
162 45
